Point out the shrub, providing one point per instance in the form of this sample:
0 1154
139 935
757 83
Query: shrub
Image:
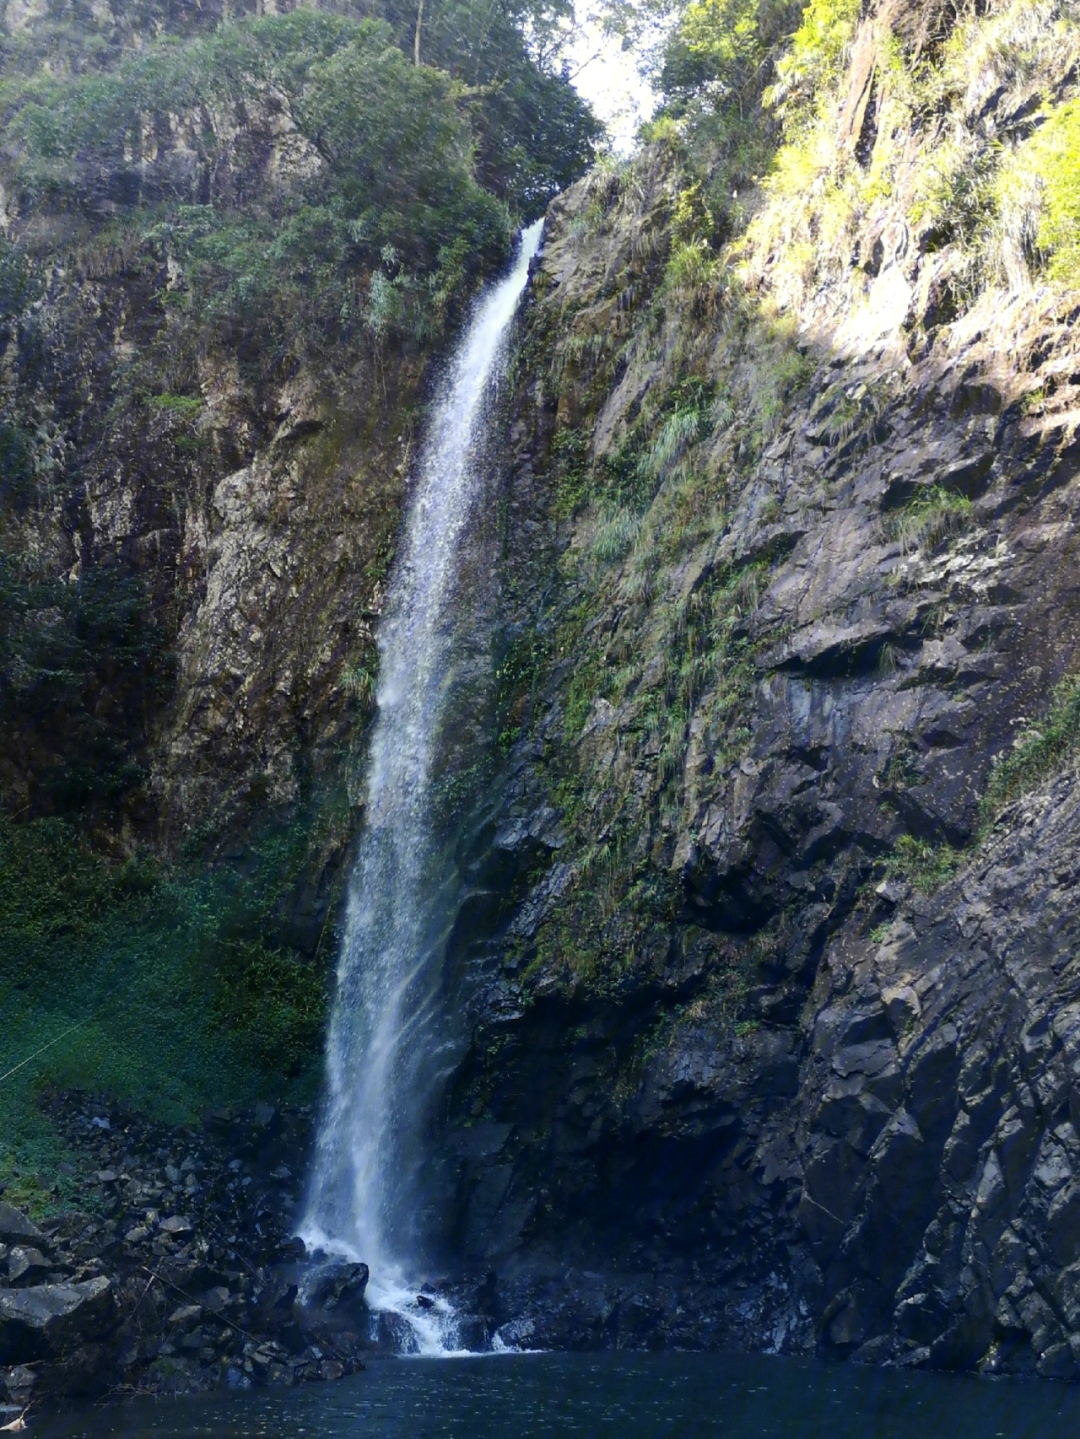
1039 194
1041 750
813 60
715 65
272 1005
180 978
392 164
721 47
184 407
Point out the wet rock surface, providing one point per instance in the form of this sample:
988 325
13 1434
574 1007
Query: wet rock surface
814 1099
948 1231
181 1272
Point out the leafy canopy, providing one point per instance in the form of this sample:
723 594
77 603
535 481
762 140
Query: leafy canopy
416 172
532 132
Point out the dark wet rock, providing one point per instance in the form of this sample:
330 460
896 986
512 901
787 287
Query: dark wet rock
869 1147
966 1206
794 1102
15 1227
45 1320
19 1383
191 1298
176 1224
333 1283
26 1266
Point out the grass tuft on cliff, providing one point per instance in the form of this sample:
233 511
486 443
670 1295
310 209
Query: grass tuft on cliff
1039 194
1040 751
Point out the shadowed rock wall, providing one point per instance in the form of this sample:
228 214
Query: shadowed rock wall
771 1003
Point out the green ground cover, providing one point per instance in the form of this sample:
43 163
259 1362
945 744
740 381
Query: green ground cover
170 987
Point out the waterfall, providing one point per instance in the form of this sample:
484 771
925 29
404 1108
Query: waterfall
385 1037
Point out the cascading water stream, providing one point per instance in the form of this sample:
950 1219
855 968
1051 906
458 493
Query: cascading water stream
384 1041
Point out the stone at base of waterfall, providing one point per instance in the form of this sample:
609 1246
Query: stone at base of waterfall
26 1266
335 1283
176 1224
17 1384
39 1322
16 1228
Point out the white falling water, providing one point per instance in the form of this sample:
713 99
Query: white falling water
384 1037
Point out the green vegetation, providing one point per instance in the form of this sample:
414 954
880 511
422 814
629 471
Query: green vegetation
931 517
17 470
1044 175
531 128
82 668
393 189
1041 750
922 864
240 199
1009 205
771 203
182 981
713 71
753 91
572 477
518 669
532 132
954 192
657 637
812 61
184 407
752 94
400 188
359 680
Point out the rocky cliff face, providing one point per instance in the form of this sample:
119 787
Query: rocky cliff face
774 987
234 240
260 543
764 944
240 494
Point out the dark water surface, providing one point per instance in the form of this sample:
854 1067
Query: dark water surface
608 1396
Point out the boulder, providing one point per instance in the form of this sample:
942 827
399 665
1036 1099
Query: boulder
26 1266
336 1282
42 1321
177 1224
18 1384
16 1228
